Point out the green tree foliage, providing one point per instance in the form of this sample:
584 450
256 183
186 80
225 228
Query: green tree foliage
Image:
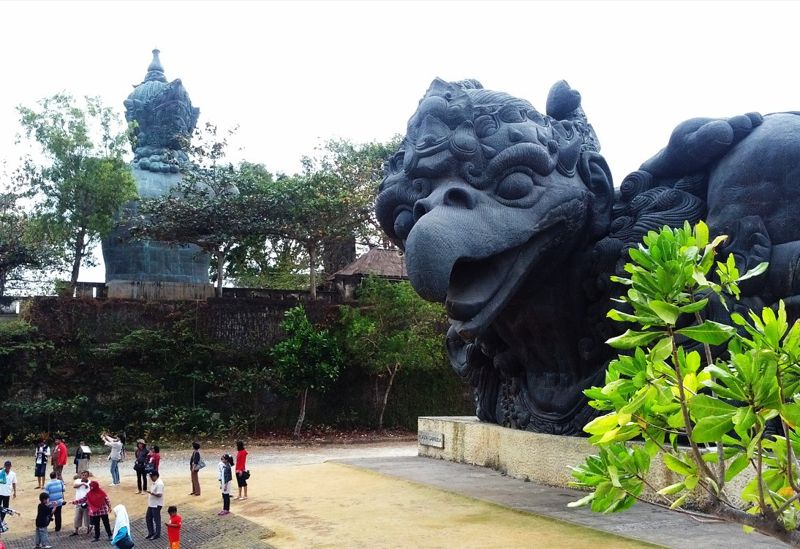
83 178
20 251
391 329
360 167
216 206
331 201
666 390
307 360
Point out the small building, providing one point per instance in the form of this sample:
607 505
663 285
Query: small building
380 262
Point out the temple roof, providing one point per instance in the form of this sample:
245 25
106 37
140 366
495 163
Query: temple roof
377 261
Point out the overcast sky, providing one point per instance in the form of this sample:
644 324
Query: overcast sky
291 74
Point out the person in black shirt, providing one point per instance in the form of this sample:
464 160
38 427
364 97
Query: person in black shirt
44 512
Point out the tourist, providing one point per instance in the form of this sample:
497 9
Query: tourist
81 486
55 491
122 537
155 500
99 506
154 461
40 462
59 458
141 457
81 458
174 528
43 515
115 456
226 479
8 487
241 469
195 464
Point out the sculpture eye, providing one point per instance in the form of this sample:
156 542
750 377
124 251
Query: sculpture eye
485 126
403 221
511 114
515 186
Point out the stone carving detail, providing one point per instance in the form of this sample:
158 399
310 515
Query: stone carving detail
163 119
510 218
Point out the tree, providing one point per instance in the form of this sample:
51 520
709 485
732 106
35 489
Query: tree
84 179
665 391
392 329
360 167
19 250
307 360
216 206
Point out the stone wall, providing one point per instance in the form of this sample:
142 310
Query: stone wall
538 457
243 323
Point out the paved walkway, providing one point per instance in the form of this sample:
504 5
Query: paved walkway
643 522
201 530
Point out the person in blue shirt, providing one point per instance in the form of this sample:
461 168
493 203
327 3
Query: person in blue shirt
55 489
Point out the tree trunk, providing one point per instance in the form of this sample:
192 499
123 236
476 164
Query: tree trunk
76 264
392 373
3 277
312 275
220 266
302 417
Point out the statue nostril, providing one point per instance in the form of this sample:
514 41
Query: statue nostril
515 135
459 198
420 209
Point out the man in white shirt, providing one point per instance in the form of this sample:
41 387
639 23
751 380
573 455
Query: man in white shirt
8 487
114 457
155 500
81 486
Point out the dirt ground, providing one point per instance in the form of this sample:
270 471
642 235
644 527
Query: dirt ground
307 501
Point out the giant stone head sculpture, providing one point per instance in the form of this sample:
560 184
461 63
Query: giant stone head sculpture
509 217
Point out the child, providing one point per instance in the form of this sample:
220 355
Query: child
174 528
3 526
44 512
225 479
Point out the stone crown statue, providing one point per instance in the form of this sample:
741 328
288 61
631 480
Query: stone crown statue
163 120
510 218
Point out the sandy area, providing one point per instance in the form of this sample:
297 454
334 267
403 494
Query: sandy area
310 503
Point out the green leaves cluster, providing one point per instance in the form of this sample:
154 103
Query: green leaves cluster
308 358
669 390
392 328
83 178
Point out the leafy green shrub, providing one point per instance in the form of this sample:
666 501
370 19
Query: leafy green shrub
307 360
666 392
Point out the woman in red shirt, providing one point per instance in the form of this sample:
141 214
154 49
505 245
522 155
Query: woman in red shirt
241 469
99 506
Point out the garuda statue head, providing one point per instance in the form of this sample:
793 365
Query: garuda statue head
484 190
492 202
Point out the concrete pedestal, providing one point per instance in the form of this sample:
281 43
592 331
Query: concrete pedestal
544 459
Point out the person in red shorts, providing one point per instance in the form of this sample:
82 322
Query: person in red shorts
174 528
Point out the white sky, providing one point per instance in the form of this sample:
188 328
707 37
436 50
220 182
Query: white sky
293 73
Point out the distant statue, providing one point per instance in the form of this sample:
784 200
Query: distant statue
163 119
509 217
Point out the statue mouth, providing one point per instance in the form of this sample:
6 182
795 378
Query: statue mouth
479 289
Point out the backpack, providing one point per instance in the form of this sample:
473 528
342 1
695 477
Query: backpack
3 476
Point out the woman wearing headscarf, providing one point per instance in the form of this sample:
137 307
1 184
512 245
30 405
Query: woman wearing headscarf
99 506
122 538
